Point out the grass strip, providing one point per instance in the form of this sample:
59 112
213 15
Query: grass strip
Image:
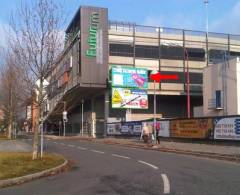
17 164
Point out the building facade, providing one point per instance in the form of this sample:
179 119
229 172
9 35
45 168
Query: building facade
81 79
221 88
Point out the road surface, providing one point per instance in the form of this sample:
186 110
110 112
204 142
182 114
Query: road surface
107 169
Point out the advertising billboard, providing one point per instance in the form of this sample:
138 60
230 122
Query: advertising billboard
129 98
227 128
129 77
191 128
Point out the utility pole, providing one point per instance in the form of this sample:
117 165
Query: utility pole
206 10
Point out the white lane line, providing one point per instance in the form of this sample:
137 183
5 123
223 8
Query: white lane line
82 148
97 151
62 144
120 156
150 165
71 145
166 184
55 142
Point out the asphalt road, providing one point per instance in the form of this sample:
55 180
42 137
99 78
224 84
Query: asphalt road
106 169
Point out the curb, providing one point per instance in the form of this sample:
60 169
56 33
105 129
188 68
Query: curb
26 178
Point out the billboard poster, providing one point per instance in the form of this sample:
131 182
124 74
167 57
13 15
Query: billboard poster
114 129
191 128
129 98
227 128
162 126
129 77
132 128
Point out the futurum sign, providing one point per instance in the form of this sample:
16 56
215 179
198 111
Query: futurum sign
94 46
92 38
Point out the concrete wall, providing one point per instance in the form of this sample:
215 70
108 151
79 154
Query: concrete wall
225 77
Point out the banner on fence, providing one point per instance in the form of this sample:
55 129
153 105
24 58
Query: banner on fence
162 126
227 128
114 128
191 128
132 128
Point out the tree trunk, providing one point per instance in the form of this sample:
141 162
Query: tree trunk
35 142
10 126
38 121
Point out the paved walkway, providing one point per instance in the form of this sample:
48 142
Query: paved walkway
14 146
174 145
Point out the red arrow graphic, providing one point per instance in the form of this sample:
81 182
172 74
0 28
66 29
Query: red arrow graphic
158 77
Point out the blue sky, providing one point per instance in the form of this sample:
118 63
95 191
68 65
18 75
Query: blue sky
224 15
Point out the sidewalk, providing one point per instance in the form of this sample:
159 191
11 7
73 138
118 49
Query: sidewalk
180 146
14 146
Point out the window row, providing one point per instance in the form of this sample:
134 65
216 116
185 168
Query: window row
166 52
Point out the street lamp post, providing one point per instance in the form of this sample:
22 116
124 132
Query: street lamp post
82 114
154 115
206 10
64 118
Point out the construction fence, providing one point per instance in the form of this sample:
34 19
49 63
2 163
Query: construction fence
207 128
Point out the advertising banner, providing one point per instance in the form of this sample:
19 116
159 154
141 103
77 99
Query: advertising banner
114 128
227 128
132 128
191 128
129 77
129 98
162 126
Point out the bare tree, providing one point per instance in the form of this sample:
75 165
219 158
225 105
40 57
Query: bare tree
36 42
11 92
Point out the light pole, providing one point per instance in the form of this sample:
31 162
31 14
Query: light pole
82 114
64 118
154 115
206 10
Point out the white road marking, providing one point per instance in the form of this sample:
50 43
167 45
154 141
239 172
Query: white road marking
97 151
82 148
120 156
166 184
143 162
62 144
55 142
71 145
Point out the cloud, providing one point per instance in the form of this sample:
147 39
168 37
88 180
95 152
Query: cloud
230 23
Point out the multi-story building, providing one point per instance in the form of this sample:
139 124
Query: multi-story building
93 44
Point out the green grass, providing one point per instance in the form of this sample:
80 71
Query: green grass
19 164
3 136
